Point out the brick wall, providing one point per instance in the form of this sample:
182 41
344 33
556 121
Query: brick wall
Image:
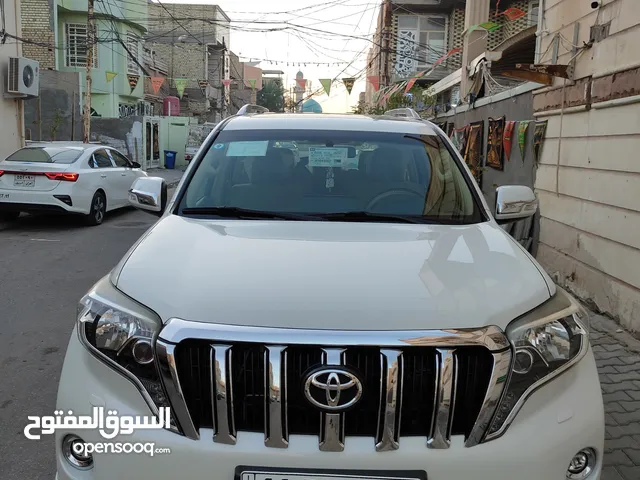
37 27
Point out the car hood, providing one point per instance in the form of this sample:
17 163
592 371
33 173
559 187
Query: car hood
332 275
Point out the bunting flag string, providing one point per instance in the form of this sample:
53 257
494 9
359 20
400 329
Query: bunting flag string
110 76
348 83
156 83
133 81
252 82
226 82
181 84
326 84
302 82
410 85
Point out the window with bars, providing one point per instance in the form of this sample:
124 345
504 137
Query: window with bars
534 11
133 45
431 35
76 46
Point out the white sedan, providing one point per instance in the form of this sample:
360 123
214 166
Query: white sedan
84 179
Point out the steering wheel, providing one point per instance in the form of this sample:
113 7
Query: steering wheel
395 193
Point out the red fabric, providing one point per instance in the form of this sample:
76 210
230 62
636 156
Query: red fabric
508 138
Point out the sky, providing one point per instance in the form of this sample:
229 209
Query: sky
326 38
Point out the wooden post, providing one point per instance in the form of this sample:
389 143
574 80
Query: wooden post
91 41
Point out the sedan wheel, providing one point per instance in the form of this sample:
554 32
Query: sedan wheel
98 210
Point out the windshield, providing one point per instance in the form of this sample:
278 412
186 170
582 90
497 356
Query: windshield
46 155
316 173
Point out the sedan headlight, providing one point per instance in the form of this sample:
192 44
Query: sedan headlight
122 333
546 342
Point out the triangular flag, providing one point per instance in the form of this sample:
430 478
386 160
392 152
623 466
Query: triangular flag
348 82
181 84
203 86
410 85
326 84
133 81
374 80
490 26
514 13
156 83
252 82
110 76
522 137
226 82
302 82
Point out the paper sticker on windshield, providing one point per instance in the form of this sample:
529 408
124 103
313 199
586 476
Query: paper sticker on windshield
219 146
327 156
248 149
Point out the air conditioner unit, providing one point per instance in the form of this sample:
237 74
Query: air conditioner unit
23 77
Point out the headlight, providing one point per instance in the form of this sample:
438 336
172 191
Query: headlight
122 333
546 342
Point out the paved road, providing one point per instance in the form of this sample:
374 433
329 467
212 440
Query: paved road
46 265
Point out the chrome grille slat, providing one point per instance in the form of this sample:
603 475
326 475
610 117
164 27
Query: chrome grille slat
332 424
222 395
446 366
391 400
276 434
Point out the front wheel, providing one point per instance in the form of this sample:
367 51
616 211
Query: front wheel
9 216
98 210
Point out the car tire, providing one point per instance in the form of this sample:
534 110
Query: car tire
9 216
98 210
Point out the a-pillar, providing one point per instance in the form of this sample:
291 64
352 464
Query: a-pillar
475 43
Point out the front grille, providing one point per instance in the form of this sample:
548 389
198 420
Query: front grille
419 403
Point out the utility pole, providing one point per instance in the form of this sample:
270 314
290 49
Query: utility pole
387 14
474 43
91 40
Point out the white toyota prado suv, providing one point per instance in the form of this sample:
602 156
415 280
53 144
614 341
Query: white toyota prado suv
330 297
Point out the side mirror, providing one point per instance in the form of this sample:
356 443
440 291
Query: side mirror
515 202
135 165
149 194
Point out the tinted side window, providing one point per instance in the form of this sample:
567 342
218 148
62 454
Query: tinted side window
101 160
121 160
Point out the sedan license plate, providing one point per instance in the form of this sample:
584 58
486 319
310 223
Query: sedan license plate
257 473
24 181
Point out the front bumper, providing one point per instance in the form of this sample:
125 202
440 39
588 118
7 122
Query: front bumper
558 420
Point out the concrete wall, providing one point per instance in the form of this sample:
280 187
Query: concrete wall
125 134
517 170
56 114
588 182
11 111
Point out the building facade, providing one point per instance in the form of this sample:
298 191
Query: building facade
193 41
11 110
588 179
60 29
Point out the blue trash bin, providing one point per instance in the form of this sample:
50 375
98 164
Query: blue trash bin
170 159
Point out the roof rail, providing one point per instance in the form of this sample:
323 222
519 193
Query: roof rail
249 108
403 112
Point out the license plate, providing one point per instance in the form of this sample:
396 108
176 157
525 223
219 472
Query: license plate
24 181
253 473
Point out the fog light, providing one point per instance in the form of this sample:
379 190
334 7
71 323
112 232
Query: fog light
582 464
73 452
142 351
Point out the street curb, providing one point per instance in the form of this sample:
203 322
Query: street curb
608 326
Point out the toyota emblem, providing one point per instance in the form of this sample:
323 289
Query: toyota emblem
332 389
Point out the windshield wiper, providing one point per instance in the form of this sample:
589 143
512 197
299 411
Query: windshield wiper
373 217
245 214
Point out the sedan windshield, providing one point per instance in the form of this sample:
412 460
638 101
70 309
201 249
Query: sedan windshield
46 155
330 175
